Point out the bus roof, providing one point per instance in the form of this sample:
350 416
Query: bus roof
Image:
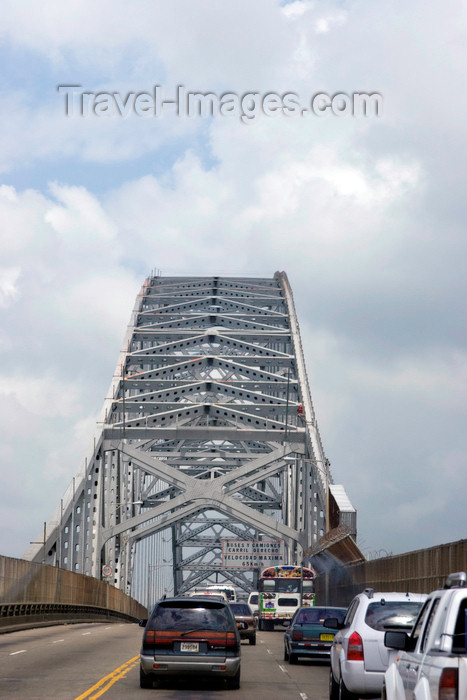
287 571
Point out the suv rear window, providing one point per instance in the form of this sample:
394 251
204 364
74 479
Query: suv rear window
387 615
240 609
315 616
180 616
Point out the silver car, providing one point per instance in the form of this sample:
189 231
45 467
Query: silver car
359 658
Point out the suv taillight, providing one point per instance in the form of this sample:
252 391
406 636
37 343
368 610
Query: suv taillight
448 684
232 643
355 648
149 639
297 635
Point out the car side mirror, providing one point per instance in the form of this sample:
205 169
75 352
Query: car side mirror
286 623
399 640
142 623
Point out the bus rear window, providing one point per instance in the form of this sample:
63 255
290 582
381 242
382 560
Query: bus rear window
287 602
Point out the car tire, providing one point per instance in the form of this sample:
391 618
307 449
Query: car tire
345 694
286 653
145 680
293 659
252 641
234 682
333 687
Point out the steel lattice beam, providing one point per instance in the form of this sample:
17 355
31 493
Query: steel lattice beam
209 428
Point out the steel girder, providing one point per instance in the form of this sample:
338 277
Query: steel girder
209 433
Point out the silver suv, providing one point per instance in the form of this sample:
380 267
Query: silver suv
358 655
190 637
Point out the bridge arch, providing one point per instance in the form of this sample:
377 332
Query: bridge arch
208 434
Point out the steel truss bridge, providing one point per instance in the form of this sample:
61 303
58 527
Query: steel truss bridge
208 434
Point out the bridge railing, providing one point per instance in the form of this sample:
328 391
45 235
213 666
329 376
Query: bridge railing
34 594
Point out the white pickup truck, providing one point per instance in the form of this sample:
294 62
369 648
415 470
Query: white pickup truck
432 660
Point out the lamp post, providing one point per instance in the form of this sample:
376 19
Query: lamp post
301 582
151 568
42 542
120 505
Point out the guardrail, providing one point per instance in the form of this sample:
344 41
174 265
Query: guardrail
26 615
34 595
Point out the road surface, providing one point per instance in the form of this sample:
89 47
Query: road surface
88 661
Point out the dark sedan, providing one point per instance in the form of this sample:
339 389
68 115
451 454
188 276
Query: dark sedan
306 635
247 621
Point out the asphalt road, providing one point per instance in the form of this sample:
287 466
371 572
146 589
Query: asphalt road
81 662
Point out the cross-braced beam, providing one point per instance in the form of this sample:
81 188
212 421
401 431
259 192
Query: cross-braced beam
209 434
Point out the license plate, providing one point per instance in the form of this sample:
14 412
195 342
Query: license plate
326 637
192 647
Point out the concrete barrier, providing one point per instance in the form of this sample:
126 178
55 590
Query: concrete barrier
33 594
420 571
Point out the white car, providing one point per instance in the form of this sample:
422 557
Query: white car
359 658
253 602
431 662
207 592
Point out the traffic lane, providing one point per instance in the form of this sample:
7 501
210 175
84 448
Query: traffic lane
309 676
63 661
90 661
312 675
264 675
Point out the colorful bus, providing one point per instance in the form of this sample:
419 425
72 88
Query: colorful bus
281 589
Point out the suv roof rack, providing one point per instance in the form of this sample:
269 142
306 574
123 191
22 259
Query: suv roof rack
458 580
369 592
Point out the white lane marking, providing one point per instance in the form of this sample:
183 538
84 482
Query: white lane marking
57 641
109 628
269 651
261 641
18 652
83 634
282 668
304 696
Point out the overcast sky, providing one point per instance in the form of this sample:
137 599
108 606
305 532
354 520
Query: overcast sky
367 215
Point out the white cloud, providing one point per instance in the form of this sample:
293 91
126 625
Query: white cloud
437 379
44 396
9 285
294 10
366 216
325 24
169 37
78 217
